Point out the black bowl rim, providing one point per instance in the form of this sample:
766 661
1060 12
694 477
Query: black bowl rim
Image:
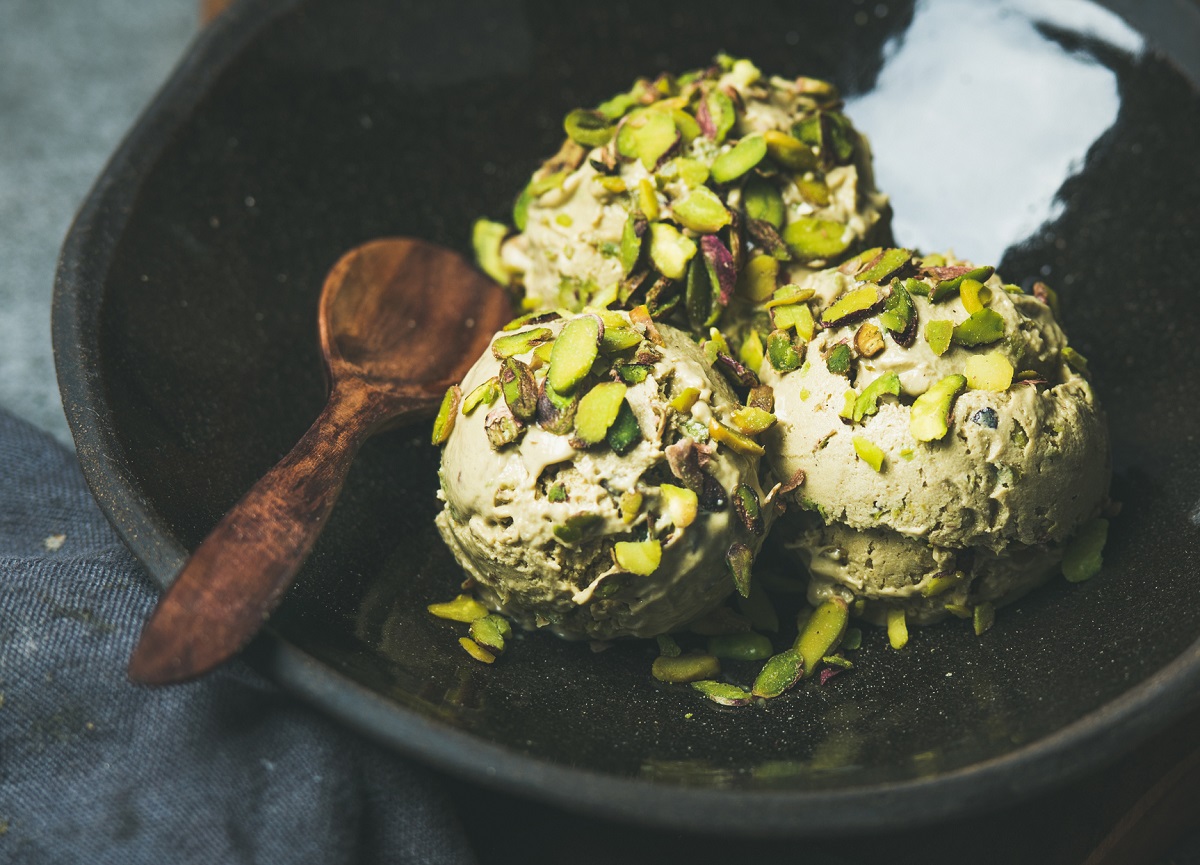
1085 745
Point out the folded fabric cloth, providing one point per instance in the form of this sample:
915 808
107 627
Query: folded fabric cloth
227 769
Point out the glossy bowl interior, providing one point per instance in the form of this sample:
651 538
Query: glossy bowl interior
1056 143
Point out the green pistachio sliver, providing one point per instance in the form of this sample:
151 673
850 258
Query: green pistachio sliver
733 439
490 633
486 237
624 433
789 151
868 340
598 409
634 373
745 502
723 694
839 360
476 651
670 251
519 343
959 611
898 310
618 339
680 504
751 353
693 172
867 403
897 628
917 287
1083 557
630 505
884 265
929 419
647 199
778 674
701 211
463 608
721 112
557 493
984 616
539 316
761 398
612 185
974 295
938 334
758 278
990 372
822 633
812 239
638 557
589 128
1076 360
752 421
782 352
699 297
631 242
869 452
735 162
647 136
787 295
982 328
485 394
740 560
851 305
574 352
740 647
668 648
519 388
794 316
761 200
443 424
574 528
947 287
682 669
615 108
814 191
683 401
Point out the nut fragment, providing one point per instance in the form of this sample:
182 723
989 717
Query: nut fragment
485 394
735 162
868 340
782 352
725 695
463 608
867 403
869 452
822 633
701 211
884 265
853 306
740 559
519 388
597 411
897 628
779 674
1083 556
812 239
990 371
574 352
839 360
443 424
515 344
685 668
929 419
733 439
983 327
638 557
938 334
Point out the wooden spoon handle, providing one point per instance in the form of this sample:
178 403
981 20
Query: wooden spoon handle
236 577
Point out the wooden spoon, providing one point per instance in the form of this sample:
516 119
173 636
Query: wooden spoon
400 321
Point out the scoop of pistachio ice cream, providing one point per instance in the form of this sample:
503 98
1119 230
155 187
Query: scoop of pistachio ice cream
585 485
949 439
686 191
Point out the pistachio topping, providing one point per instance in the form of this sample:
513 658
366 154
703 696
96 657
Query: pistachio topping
762 202
682 669
589 128
852 306
778 674
737 374
722 693
490 632
868 341
752 352
759 277
684 400
761 398
938 334
598 410
647 134
813 239
443 424
719 262
733 439
1083 556
557 493
501 427
990 371
574 352
519 388
716 115
884 265
751 420
899 315
983 617
740 559
1076 360
867 403
789 151
822 633
897 627
974 295
745 502
930 416
701 211
463 608
476 651
625 432
869 452
670 251
638 557
519 343
839 360
486 237
740 647
630 505
680 504
954 278
739 159
794 316
485 394
982 328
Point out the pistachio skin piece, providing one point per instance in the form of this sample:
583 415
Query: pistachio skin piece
1083 556
443 424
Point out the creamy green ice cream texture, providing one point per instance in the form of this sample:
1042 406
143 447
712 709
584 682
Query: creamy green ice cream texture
538 521
931 504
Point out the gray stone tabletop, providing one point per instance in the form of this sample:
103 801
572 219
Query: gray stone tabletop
74 75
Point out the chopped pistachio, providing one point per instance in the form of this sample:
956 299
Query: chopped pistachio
869 452
631 241
782 352
735 162
740 559
939 584
700 300
716 114
868 340
821 633
573 529
899 315
722 272
811 239
701 211
613 185
839 360
485 394
634 373
761 200
813 190
733 439
638 557
463 608
917 286
984 617
646 135
790 152
557 493
683 401
519 343
490 631
693 172
789 294
631 505
852 306
867 403
555 411
689 128
670 251
519 388
1083 556
752 352
796 315
681 669
618 339
983 327
745 502
938 334
589 128
443 424
752 421
884 265
667 647
537 187
680 504
486 237
540 316
647 200
501 427
565 220
947 287
897 628
723 694
759 277
761 398
767 239
598 409
476 651
1076 360
990 371
974 295
575 350
960 611
929 419
740 647
735 372
624 433
778 674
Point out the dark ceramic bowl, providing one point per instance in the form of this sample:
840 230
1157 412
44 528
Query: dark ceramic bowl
185 337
